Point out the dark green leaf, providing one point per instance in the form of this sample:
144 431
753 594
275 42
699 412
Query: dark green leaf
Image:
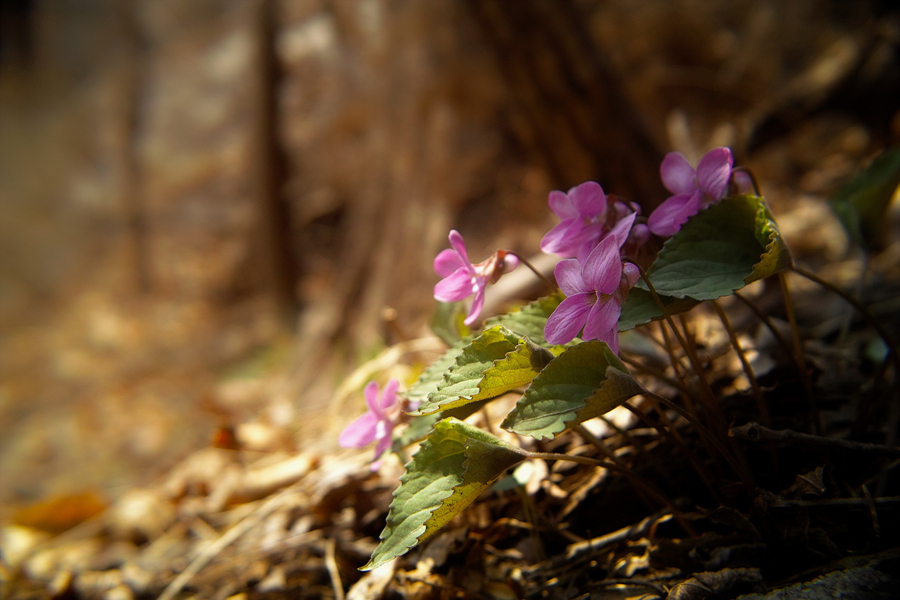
861 204
583 382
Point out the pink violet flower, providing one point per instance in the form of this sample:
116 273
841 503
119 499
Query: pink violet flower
693 190
588 216
462 279
595 292
377 423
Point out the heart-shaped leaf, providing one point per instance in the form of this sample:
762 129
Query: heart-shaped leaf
719 250
452 467
491 364
583 382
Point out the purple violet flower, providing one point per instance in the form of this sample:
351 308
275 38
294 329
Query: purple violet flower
377 423
693 190
595 292
588 216
461 278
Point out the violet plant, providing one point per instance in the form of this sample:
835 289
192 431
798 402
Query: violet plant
563 348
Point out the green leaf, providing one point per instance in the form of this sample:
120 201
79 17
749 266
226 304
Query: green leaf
491 364
719 250
529 320
640 308
583 382
452 467
430 378
448 322
862 203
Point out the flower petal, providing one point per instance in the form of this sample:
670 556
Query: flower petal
477 304
360 432
384 442
603 268
454 287
456 240
588 199
564 239
568 277
677 174
448 261
568 318
622 228
669 216
561 205
631 274
371 394
714 171
388 395
603 317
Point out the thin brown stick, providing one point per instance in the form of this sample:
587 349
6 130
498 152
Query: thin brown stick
754 432
762 316
553 287
800 359
748 370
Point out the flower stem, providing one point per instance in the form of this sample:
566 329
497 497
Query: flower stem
800 359
553 287
752 177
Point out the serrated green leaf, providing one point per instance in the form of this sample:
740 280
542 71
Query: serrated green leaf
584 382
452 467
862 203
491 364
448 322
529 320
430 378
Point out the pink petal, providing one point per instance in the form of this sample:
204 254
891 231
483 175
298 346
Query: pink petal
456 240
561 205
714 171
603 317
389 395
568 276
384 442
743 182
477 304
454 287
677 174
669 216
611 338
448 261
588 198
622 228
568 318
564 239
359 433
371 394
603 268
632 274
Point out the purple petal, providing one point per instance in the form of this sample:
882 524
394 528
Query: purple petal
360 432
603 317
669 216
714 171
477 304
568 318
743 182
384 442
603 268
632 274
564 239
677 174
561 205
371 394
454 287
622 228
568 276
588 199
389 395
448 261
456 240
611 338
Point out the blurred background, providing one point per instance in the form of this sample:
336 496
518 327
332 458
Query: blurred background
212 211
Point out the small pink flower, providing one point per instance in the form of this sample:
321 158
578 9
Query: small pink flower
462 279
588 216
595 292
693 190
376 424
